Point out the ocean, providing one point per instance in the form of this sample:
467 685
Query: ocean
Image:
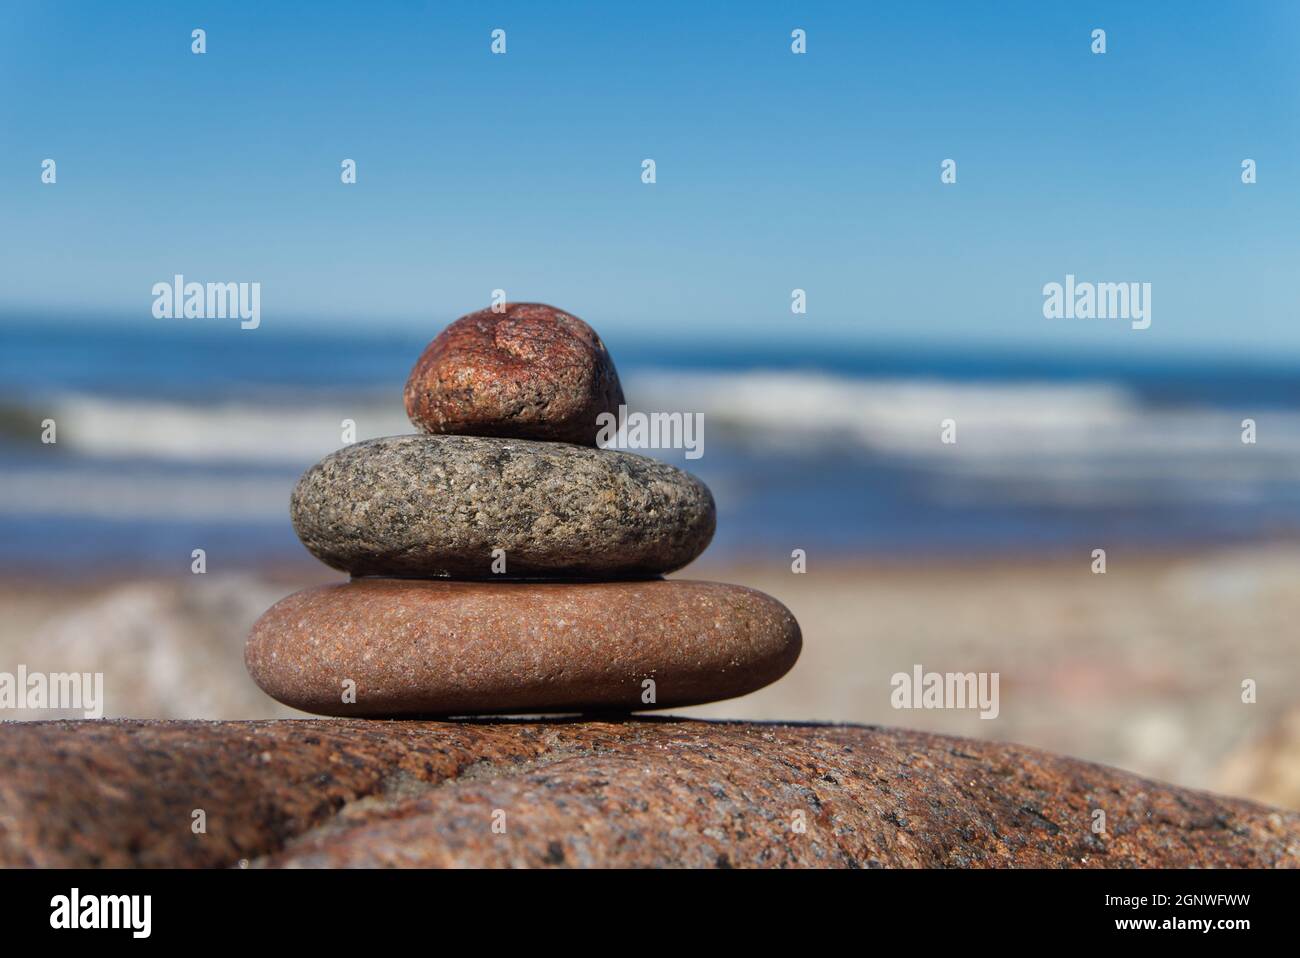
177 437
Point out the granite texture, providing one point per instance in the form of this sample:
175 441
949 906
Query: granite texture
348 792
529 372
470 648
432 506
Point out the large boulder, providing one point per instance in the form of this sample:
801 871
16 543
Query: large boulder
643 792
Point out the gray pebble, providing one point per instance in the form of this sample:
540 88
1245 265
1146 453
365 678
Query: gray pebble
437 506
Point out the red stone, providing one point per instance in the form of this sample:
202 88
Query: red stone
529 372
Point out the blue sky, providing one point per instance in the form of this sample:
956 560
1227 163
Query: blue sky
775 171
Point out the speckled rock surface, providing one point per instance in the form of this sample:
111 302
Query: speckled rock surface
348 792
470 648
530 372
440 505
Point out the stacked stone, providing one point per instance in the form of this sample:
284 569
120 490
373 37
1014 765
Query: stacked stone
500 562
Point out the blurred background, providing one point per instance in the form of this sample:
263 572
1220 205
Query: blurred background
775 172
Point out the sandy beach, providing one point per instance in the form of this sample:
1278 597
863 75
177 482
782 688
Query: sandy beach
1140 668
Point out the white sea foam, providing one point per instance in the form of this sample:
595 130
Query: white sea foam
277 430
1084 443
892 417
1043 443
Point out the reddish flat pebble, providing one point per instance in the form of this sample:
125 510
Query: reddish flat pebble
423 647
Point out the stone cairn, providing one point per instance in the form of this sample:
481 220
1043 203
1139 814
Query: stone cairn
500 561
